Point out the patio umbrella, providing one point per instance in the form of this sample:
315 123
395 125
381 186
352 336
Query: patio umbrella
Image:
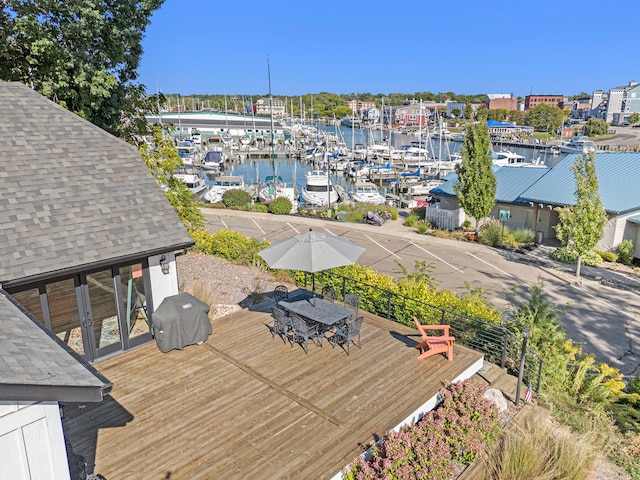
311 252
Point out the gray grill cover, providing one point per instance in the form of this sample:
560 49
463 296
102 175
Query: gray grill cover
181 320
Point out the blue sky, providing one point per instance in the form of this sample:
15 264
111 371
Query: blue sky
354 46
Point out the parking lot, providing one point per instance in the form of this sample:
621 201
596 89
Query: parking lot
601 315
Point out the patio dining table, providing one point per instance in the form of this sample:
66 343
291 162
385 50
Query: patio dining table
318 310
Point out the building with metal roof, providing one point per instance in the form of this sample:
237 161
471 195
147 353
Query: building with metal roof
618 179
532 195
510 182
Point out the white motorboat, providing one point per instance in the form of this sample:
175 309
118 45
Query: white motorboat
367 192
424 187
222 184
319 190
274 187
214 160
507 158
579 145
441 134
188 151
192 178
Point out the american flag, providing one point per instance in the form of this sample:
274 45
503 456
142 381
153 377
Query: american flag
528 394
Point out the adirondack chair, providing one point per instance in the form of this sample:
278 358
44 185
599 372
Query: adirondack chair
434 344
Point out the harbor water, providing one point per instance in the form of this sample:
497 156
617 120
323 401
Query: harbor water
293 171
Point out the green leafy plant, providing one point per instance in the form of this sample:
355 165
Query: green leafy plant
523 235
491 232
258 207
412 220
236 198
280 206
570 255
625 252
607 256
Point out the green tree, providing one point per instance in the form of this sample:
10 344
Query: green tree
497 114
476 184
82 54
634 118
581 225
595 126
162 159
544 118
516 116
468 111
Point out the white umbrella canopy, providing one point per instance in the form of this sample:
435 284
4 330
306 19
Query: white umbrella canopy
311 252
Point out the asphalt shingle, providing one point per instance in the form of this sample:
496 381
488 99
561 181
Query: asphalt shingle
71 194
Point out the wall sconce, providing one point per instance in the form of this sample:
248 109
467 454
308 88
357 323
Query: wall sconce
164 265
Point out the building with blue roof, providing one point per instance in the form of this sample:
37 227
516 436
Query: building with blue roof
511 182
532 196
618 180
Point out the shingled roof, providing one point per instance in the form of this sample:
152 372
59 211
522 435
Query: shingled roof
71 194
37 366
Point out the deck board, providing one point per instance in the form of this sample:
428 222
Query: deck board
246 405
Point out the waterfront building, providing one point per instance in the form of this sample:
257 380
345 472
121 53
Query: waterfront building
264 107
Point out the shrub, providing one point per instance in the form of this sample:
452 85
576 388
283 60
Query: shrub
523 235
625 252
412 220
607 256
236 198
491 233
570 255
258 207
423 227
230 245
280 206
466 224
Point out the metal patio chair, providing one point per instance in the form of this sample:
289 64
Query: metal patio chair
281 292
329 293
348 333
281 324
301 331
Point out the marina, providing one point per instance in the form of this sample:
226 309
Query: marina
400 165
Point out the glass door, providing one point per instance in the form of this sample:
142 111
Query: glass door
103 324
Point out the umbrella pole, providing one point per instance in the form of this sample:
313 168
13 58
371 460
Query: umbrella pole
313 282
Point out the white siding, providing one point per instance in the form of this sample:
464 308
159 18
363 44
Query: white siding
31 442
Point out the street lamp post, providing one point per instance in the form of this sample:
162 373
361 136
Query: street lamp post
526 333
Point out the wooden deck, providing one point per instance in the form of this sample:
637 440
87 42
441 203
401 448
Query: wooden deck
245 405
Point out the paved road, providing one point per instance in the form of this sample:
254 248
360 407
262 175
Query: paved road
603 311
624 137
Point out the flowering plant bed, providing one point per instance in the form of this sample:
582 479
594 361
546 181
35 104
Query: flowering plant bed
438 446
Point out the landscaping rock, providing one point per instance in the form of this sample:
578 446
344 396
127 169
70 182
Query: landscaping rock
496 397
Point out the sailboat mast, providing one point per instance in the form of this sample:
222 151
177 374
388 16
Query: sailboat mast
273 163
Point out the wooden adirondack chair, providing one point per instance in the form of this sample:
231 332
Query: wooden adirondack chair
434 344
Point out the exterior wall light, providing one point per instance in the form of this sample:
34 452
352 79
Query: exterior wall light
164 265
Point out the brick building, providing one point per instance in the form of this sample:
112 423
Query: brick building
507 101
531 101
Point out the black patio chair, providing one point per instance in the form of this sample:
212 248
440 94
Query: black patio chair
329 293
281 324
347 333
301 331
352 302
281 292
